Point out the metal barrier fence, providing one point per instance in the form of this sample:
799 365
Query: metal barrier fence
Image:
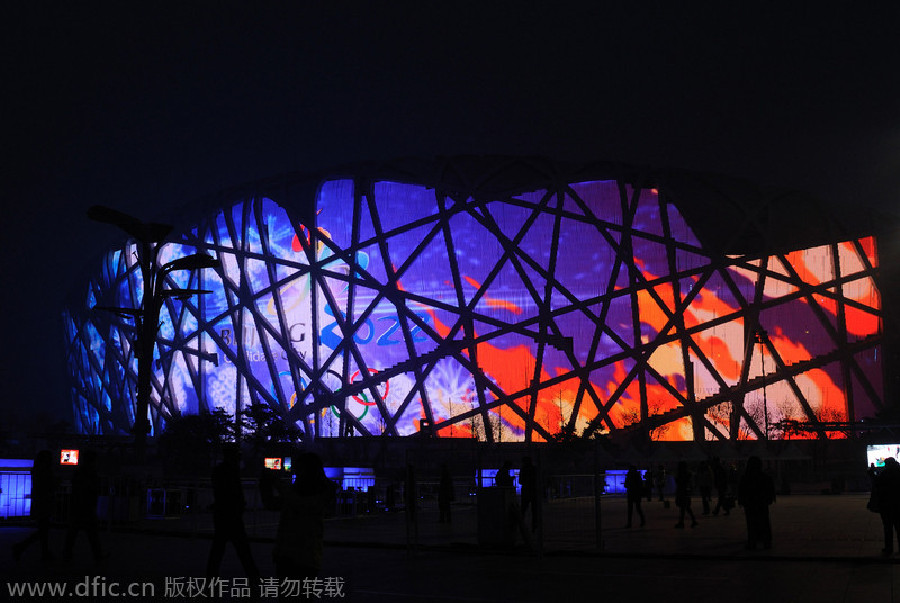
379 513
571 512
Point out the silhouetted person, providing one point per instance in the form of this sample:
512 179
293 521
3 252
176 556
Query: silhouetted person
371 499
411 503
634 488
756 491
648 484
390 497
886 494
720 482
43 487
300 540
83 505
228 516
445 495
504 478
528 484
410 493
705 485
683 494
660 477
872 471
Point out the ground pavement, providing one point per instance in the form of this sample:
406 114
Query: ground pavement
826 548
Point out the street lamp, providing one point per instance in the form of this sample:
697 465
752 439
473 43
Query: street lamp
149 236
761 336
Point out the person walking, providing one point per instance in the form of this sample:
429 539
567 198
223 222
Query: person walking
704 485
504 478
528 484
43 488
756 491
660 477
683 480
445 495
720 482
228 516
83 508
886 495
648 484
300 539
634 488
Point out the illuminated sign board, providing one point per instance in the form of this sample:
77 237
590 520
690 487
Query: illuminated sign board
68 457
877 453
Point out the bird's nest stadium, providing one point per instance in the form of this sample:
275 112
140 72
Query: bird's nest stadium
497 299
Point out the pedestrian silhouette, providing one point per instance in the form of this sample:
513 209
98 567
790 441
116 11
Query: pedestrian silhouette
445 495
634 487
683 494
83 506
228 515
411 504
390 498
504 478
660 477
756 491
705 485
43 488
720 482
299 543
528 485
886 496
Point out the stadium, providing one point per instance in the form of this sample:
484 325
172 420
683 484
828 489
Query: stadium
500 300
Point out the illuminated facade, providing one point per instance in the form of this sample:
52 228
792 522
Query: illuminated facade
504 300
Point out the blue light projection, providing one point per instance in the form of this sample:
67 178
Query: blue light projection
514 316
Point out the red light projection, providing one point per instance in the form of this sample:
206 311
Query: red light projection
541 312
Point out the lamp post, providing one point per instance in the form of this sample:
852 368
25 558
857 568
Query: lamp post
149 237
760 335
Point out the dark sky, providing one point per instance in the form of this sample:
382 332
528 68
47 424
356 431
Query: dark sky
146 108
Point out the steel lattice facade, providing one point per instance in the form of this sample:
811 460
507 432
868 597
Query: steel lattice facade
503 300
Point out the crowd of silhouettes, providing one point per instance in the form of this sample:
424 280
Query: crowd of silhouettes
754 491
82 507
304 498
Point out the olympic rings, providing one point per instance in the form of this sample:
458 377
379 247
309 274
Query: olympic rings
335 410
293 399
387 388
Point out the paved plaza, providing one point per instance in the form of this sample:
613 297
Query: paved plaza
826 548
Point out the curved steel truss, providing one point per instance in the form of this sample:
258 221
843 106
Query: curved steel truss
478 311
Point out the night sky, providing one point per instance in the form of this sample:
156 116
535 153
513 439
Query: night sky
145 108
